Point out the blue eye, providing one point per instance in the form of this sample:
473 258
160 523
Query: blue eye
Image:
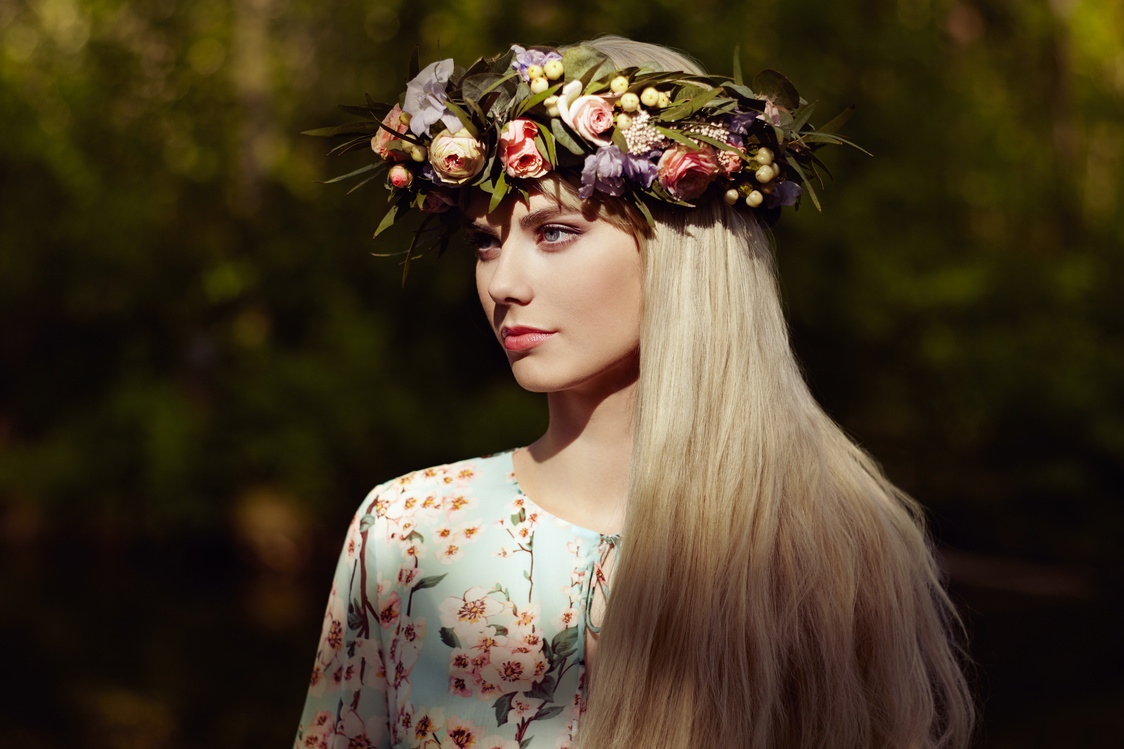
557 234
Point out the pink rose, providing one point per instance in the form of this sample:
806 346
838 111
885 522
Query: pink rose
382 139
437 201
730 161
518 152
400 176
684 173
590 116
456 157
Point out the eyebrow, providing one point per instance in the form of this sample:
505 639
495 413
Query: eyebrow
531 219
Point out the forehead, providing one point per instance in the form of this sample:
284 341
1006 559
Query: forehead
513 207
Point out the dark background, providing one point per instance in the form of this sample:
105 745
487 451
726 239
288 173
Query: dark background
202 369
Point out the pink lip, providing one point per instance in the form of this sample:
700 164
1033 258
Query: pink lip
520 338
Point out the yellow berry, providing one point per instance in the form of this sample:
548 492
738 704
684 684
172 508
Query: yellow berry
534 71
730 197
551 104
665 100
650 97
765 174
764 156
754 199
619 85
418 153
624 122
553 69
538 85
630 102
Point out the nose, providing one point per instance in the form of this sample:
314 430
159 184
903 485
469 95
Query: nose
510 281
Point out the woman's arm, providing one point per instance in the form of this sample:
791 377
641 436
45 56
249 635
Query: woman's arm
347 695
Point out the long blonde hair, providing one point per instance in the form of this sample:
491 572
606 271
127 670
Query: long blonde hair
774 589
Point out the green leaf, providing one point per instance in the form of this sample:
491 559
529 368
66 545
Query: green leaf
346 129
618 140
585 63
387 219
837 121
462 115
690 107
361 183
791 161
563 137
677 137
449 637
547 139
773 85
565 642
366 522
640 206
546 713
359 171
802 119
737 64
428 582
503 707
535 100
499 193
415 66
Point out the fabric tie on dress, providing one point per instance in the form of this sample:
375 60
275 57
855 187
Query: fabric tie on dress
598 580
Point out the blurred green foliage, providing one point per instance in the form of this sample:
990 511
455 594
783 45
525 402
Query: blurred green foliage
187 317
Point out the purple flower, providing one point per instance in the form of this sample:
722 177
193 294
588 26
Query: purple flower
786 193
425 99
525 58
603 172
640 168
739 122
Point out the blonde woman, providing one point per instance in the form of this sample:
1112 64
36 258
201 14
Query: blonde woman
693 554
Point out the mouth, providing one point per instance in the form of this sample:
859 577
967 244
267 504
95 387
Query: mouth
521 338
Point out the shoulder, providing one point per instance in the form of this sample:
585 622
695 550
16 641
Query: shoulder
443 488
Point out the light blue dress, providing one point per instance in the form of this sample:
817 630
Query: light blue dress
456 619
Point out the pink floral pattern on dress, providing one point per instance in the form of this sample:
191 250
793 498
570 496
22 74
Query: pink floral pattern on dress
456 619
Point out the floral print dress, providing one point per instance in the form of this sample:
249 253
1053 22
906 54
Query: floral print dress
456 619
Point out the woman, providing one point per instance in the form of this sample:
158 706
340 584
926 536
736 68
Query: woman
772 589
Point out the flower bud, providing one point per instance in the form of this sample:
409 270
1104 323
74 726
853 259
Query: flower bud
765 174
538 85
534 71
551 104
400 176
650 97
619 85
418 153
624 122
764 156
630 102
553 69
665 100
730 197
405 118
754 199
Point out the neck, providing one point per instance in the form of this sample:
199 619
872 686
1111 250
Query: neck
578 470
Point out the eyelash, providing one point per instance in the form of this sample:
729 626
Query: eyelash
482 241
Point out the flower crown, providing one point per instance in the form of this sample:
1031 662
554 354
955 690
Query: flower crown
641 134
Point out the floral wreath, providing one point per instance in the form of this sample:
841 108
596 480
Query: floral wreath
642 134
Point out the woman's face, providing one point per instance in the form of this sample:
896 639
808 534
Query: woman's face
561 291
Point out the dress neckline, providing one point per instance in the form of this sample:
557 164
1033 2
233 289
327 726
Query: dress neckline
509 455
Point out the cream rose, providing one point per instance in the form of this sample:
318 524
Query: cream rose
456 157
518 152
590 116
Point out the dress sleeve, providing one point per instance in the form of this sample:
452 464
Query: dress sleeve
347 695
